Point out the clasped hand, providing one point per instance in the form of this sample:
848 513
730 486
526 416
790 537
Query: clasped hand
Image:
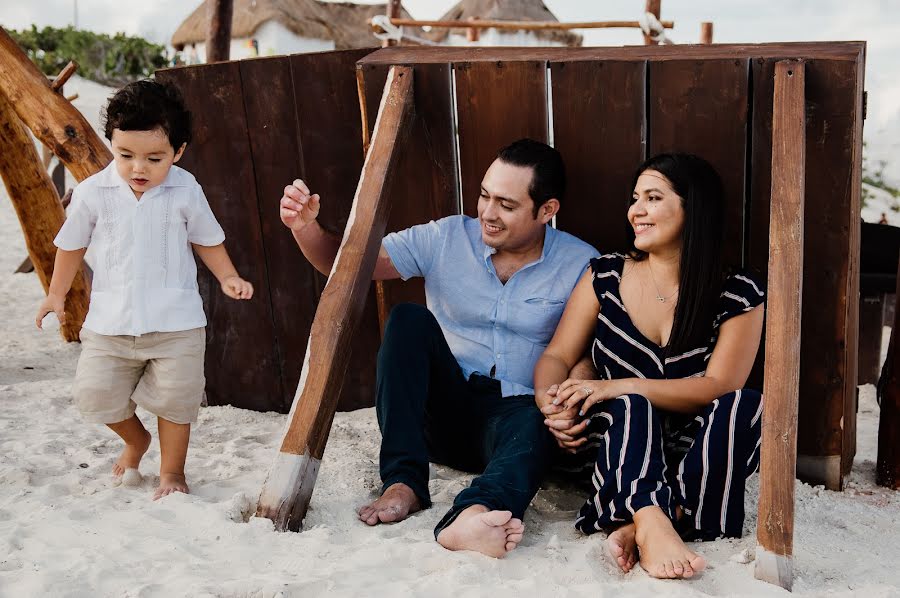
568 404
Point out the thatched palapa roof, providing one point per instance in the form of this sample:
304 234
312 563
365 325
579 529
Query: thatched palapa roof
346 23
505 10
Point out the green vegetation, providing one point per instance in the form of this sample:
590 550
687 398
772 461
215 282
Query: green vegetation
108 60
873 176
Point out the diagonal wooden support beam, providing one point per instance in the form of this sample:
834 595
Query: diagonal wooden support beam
52 119
778 460
288 487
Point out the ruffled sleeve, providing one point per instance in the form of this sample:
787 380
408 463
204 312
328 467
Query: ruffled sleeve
741 292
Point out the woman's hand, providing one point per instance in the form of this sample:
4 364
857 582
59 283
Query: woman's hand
583 394
565 424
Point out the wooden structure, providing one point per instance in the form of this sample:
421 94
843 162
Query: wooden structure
887 467
606 109
218 39
27 97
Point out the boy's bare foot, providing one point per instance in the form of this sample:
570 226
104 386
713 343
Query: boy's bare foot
663 553
396 504
493 533
169 483
622 547
131 454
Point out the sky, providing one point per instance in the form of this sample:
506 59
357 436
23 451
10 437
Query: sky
875 21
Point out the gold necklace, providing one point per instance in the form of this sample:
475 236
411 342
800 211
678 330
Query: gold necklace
659 296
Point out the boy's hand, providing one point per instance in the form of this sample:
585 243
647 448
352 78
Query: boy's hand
298 206
237 288
53 303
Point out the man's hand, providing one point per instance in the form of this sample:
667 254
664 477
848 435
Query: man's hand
298 206
54 303
565 424
237 288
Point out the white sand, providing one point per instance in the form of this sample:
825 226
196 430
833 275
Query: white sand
65 531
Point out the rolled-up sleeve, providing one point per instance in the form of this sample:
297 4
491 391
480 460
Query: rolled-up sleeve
202 226
78 228
412 250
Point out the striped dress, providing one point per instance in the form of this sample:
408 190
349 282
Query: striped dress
639 455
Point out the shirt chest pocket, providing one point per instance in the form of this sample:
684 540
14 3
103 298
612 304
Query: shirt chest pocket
537 318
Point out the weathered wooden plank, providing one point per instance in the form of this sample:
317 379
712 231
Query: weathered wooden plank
288 488
599 127
497 103
701 107
775 530
241 360
426 185
219 13
421 55
40 212
52 119
887 467
330 142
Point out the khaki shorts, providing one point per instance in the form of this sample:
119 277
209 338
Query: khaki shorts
160 371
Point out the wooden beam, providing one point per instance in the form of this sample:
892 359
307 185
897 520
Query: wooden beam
523 25
218 37
53 120
654 7
40 212
706 33
887 468
63 76
289 484
393 13
775 531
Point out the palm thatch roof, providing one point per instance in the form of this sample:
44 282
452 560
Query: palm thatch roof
346 23
505 10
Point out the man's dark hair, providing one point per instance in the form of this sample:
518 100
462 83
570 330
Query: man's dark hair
548 180
147 104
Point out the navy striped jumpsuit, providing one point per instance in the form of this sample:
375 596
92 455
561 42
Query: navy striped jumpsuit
639 455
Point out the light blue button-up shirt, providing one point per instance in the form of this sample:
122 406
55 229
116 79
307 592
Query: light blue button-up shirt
490 325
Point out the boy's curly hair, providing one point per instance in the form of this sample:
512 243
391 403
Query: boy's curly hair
147 104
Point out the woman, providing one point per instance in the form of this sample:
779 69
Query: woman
668 440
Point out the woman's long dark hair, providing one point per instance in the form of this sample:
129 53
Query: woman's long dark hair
700 270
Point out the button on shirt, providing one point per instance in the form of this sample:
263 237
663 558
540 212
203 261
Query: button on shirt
490 326
145 276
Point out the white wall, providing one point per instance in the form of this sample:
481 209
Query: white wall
493 37
273 39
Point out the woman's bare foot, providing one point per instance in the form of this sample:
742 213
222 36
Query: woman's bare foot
132 454
396 504
169 483
663 553
622 547
493 533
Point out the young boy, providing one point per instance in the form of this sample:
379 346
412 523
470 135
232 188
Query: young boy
143 340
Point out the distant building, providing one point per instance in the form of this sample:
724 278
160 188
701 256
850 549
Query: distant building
503 10
267 27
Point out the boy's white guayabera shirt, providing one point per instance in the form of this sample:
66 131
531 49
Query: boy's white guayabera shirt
145 276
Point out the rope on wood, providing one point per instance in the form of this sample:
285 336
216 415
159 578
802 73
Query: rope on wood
653 28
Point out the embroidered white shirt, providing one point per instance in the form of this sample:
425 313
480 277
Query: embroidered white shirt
145 276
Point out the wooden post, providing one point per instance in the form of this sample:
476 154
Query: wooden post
63 76
289 484
473 34
52 119
887 468
218 38
39 210
393 12
653 7
706 33
775 528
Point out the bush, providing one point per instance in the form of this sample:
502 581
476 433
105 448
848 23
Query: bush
112 61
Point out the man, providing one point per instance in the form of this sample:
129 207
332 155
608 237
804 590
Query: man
454 382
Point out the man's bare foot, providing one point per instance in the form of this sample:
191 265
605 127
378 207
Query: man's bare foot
493 533
131 455
663 553
169 483
396 504
622 547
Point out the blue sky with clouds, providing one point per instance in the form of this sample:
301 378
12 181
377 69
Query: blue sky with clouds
875 21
